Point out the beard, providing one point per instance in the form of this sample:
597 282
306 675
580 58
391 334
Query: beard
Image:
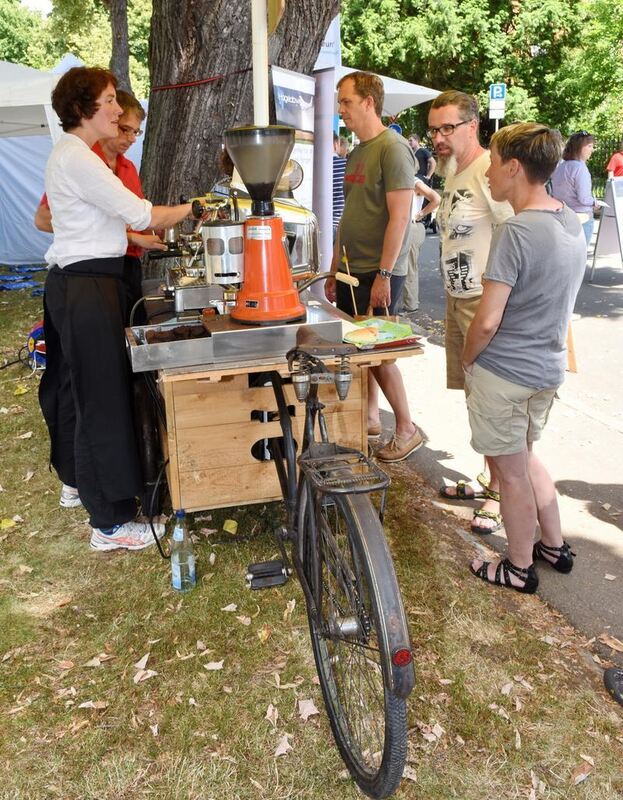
446 165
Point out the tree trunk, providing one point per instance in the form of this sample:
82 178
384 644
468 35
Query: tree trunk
191 41
120 58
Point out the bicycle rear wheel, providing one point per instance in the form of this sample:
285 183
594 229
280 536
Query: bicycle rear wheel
349 635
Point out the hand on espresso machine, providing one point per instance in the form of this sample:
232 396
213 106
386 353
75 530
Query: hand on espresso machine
148 241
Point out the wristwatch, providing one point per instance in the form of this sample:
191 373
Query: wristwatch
385 273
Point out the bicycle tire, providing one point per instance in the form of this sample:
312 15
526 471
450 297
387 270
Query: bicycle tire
370 728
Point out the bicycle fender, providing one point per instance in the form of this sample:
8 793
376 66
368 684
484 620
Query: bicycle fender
371 539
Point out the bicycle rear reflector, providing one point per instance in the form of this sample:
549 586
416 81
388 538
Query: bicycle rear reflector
402 657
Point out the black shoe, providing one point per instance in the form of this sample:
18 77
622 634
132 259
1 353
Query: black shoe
613 681
564 556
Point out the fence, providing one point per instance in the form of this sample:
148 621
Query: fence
604 148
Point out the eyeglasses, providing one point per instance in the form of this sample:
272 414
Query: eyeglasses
127 130
446 130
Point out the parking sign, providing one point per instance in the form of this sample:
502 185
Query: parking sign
497 91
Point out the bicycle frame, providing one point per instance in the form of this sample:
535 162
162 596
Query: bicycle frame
291 481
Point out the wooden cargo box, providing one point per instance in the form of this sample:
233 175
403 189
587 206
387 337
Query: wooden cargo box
215 437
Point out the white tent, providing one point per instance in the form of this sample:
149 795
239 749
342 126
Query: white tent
399 95
25 108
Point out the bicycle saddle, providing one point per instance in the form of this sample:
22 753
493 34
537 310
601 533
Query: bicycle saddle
309 342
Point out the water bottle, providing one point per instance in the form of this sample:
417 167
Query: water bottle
183 576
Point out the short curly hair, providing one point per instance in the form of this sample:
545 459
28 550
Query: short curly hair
75 96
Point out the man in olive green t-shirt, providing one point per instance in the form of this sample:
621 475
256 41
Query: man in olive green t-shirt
374 230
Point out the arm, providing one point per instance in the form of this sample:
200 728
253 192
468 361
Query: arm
584 187
399 209
433 200
168 216
43 219
431 166
487 320
148 241
330 290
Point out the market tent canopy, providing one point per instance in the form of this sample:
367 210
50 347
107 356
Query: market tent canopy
399 95
25 108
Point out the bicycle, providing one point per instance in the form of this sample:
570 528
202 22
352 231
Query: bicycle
357 623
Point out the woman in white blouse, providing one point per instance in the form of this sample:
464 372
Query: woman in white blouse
85 391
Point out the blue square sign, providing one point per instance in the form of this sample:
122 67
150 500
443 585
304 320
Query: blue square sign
497 91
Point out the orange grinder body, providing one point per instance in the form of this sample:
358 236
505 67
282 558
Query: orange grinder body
267 296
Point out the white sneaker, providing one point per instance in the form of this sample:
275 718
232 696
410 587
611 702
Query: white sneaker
69 497
129 536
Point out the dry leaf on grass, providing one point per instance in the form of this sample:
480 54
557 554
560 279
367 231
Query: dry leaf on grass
284 746
507 688
409 773
201 645
243 620
29 475
307 709
65 665
551 640
272 715
581 773
5 524
23 569
184 657
27 435
517 740
98 660
154 729
264 633
290 606
213 666
142 663
98 705
611 641
193 702
230 608
144 675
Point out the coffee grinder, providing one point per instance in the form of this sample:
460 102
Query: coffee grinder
267 295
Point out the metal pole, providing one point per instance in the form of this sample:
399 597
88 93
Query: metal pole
259 33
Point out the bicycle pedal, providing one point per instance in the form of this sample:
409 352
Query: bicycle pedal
265 574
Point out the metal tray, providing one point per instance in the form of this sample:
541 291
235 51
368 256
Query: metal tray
228 341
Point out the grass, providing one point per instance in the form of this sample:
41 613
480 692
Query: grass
496 713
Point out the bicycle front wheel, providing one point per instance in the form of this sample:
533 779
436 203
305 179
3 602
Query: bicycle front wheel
349 635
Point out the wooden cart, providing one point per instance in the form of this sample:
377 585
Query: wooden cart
219 416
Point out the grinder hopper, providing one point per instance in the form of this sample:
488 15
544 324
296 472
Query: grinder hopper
267 296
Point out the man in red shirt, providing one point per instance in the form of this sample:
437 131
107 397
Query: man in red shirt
615 165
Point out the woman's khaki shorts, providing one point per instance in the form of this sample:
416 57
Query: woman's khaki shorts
504 416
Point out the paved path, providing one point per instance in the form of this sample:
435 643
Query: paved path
582 446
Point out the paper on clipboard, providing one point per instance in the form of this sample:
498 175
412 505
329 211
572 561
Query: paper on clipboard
379 332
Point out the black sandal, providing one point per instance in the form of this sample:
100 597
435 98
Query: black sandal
460 492
503 572
613 681
564 560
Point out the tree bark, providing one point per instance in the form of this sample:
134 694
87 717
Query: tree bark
120 58
194 40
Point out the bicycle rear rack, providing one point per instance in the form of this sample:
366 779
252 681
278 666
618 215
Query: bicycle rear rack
341 470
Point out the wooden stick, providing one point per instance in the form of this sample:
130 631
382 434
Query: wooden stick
352 291
572 365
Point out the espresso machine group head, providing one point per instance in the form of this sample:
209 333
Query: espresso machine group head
267 295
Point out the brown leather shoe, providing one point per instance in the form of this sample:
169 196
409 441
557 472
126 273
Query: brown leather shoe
400 447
